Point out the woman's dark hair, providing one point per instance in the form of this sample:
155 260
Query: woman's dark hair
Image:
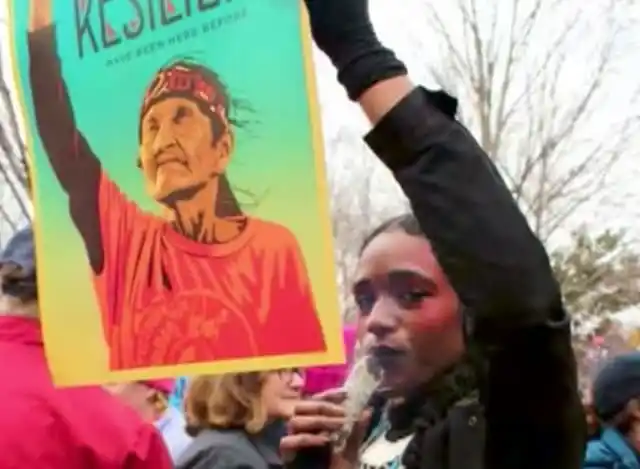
406 223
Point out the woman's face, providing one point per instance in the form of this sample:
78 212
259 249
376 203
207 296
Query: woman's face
281 391
409 313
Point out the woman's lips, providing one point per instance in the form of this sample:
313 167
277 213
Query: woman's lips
388 359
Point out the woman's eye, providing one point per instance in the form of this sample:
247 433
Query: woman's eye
413 297
365 302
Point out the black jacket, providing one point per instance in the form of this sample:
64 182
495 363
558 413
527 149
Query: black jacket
529 414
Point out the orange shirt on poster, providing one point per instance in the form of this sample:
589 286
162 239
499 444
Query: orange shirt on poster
166 299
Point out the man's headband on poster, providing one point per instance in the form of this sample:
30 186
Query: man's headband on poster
185 82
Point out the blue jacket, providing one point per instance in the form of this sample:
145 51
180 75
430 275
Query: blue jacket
611 451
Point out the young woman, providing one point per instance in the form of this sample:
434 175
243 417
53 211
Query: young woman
616 401
460 304
151 400
237 419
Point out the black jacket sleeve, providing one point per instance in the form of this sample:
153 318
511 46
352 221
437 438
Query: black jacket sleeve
502 275
481 238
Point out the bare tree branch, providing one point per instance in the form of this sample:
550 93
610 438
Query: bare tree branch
14 179
363 194
514 63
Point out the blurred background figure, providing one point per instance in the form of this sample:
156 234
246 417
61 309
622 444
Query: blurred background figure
48 428
322 378
176 399
616 402
237 420
151 400
593 423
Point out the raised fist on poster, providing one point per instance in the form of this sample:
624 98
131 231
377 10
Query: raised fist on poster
39 14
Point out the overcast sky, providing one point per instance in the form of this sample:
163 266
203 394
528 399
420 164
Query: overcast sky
406 30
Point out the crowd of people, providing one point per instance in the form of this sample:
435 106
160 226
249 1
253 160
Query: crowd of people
458 309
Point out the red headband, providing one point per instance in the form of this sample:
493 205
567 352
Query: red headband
183 81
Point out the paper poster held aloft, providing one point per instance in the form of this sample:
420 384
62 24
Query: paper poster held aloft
182 220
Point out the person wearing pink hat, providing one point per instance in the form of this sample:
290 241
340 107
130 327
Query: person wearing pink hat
150 399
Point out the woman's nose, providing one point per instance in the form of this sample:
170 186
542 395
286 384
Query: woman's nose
383 318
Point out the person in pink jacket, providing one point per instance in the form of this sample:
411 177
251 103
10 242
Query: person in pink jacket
42 426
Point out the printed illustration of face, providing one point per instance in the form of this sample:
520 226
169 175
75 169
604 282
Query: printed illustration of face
409 313
178 152
281 391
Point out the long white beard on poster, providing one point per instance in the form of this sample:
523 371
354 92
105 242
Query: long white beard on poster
359 386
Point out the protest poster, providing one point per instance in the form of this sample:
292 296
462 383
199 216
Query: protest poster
182 221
